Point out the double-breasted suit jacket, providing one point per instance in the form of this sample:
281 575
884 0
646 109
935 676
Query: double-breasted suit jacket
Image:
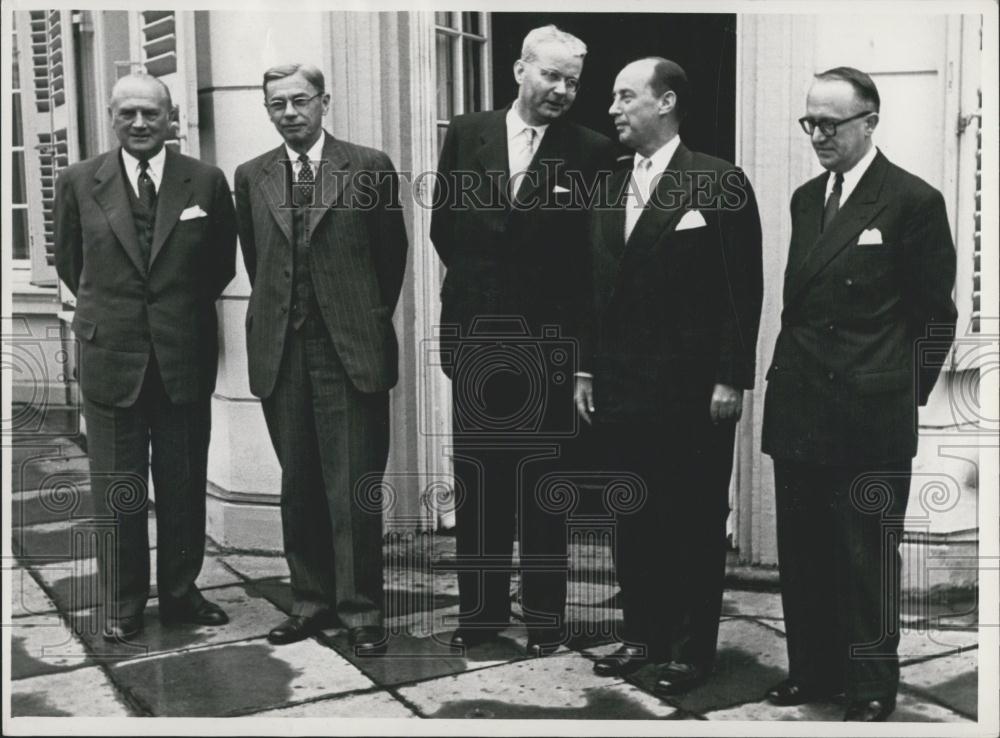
126 308
357 260
674 311
867 304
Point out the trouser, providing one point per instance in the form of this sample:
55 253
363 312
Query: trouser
332 442
839 530
124 444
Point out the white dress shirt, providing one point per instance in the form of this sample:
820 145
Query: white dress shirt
519 152
315 153
644 178
852 177
155 170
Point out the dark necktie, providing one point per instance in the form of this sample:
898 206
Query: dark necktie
305 184
147 191
833 202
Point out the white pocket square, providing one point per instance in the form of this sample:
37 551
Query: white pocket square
192 212
691 219
559 188
870 237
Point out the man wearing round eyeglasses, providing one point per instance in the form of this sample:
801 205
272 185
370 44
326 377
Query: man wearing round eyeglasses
867 322
325 250
510 227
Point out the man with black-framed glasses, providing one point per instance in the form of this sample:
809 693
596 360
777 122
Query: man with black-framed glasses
324 245
867 322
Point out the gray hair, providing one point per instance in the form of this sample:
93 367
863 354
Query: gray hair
140 76
550 34
312 74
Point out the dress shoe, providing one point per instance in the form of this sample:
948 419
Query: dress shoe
368 640
623 661
677 677
196 611
295 628
122 629
469 637
789 693
872 711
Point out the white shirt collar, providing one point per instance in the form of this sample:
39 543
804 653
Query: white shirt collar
155 170
516 126
851 177
315 152
660 158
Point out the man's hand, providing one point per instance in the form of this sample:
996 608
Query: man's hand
727 403
583 396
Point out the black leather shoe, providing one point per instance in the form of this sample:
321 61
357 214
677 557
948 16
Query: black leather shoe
789 693
368 640
872 711
469 637
295 628
201 612
677 677
623 661
122 629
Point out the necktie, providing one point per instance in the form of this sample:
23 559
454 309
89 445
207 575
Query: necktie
833 202
147 190
305 184
638 194
524 154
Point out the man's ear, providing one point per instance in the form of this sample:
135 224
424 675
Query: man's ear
870 122
668 101
518 71
174 116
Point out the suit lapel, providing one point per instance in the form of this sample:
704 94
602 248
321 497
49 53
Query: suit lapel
333 178
274 185
111 195
492 151
173 197
662 215
859 210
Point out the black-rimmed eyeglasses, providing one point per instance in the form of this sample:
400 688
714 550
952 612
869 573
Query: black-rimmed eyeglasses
827 126
278 106
554 77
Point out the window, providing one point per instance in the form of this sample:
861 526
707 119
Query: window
19 191
463 68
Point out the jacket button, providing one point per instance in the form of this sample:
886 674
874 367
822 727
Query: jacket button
830 376
849 281
831 328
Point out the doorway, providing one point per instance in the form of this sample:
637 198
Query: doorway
704 44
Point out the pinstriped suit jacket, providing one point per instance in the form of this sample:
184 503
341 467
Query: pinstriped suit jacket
358 257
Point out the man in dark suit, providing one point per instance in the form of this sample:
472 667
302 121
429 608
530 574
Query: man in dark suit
324 245
670 347
509 225
867 322
146 240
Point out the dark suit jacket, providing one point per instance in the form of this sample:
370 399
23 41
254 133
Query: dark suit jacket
518 259
358 258
123 309
674 312
846 379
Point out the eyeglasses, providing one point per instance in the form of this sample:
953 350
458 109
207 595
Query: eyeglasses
554 77
279 106
826 126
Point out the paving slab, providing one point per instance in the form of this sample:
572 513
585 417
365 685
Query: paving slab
737 603
908 709
559 687
370 706
44 646
44 470
256 567
44 542
250 616
60 695
751 657
73 584
951 680
27 598
919 644
25 448
237 678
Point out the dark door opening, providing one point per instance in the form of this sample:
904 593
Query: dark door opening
703 43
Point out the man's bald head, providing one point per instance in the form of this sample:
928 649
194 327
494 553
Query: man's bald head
140 80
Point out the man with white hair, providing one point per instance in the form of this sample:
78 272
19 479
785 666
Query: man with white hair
509 224
146 240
